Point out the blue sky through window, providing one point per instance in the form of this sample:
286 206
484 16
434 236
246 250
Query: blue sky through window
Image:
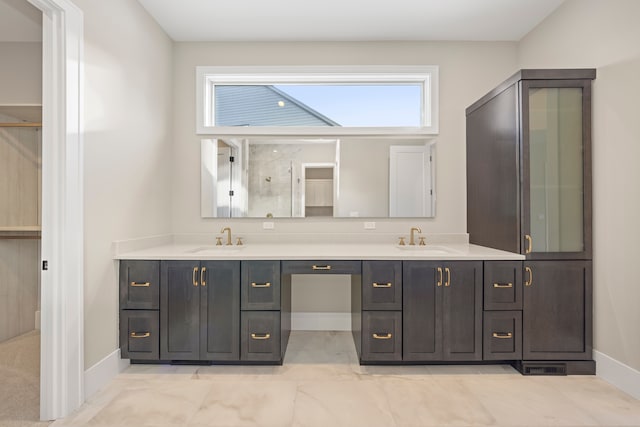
362 105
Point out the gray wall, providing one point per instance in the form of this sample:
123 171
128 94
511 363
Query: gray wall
605 35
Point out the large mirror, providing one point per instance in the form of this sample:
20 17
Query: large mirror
316 177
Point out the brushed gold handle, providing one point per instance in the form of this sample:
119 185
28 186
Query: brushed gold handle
321 267
193 276
503 285
140 284
260 336
529 281
448 282
260 285
140 335
382 285
439 281
502 335
382 336
202 271
529 244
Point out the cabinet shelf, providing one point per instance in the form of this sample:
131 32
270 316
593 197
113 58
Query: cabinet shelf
20 232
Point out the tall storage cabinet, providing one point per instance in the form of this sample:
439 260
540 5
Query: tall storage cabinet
529 191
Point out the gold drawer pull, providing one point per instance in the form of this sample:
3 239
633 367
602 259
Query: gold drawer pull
439 281
140 284
193 276
321 267
260 285
448 282
382 285
260 336
501 285
529 247
529 281
382 336
503 335
140 335
203 270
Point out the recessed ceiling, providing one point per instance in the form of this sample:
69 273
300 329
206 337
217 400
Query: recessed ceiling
348 20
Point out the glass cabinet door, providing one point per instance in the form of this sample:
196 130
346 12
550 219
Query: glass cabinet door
556 166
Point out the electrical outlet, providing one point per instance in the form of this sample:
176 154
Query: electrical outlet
370 225
268 226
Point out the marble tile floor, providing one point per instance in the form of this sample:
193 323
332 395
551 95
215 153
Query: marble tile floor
321 384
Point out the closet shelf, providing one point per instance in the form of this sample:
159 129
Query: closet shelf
20 232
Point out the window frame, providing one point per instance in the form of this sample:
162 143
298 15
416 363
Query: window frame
209 76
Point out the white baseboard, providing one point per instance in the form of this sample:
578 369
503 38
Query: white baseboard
617 373
38 320
321 321
99 375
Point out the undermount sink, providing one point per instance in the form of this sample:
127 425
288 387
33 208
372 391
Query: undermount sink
215 249
428 249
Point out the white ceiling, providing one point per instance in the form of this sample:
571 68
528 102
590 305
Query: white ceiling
19 22
348 20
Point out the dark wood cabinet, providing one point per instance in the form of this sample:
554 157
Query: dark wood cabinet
529 165
260 285
139 283
199 310
442 310
557 310
529 191
502 335
260 336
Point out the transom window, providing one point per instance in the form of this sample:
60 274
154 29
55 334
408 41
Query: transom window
317 101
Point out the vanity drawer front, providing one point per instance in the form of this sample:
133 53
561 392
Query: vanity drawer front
382 285
139 334
139 285
381 336
503 285
260 336
322 267
260 285
502 335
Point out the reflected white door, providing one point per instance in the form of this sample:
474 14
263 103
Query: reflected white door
409 181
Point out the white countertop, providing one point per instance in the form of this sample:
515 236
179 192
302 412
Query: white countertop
318 251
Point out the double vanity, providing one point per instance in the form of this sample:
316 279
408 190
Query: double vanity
412 304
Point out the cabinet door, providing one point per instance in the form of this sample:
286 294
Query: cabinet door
422 311
261 285
139 339
462 310
556 168
220 310
179 310
382 285
139 285
381 336
503 285
557 319
260 336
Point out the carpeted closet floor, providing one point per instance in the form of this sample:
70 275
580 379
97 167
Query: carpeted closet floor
20 381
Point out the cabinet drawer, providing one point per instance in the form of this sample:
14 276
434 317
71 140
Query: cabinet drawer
260 336
503 285
382 285
381 336
322 267
260 285
139 334
139 285
502 335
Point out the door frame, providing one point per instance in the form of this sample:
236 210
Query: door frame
62 341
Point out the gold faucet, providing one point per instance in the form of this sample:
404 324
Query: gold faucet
412 240
228 230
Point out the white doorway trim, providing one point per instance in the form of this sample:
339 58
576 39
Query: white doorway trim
62 343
